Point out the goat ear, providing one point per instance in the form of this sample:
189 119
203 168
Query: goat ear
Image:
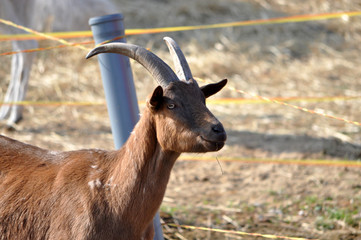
210 89
156 99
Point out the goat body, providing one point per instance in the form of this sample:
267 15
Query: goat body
98 194
62 195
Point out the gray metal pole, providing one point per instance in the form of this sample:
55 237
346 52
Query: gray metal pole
118 86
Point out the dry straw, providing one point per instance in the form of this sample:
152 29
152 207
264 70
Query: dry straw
299 18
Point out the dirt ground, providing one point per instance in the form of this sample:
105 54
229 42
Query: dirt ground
311 59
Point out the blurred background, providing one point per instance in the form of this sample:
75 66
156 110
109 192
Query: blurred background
309 62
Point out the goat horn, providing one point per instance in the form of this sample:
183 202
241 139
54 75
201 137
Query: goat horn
156 66
181 66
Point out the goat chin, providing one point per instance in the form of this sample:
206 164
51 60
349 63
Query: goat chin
204 145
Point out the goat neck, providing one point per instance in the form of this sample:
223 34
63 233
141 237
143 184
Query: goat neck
142 173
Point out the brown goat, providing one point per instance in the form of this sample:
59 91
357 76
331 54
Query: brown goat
98 194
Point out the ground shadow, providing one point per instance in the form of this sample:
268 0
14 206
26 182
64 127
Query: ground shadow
277 144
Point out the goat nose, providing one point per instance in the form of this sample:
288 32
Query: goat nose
218 128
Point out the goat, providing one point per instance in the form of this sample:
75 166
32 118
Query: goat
98 194
41 15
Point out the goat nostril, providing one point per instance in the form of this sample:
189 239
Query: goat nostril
218 128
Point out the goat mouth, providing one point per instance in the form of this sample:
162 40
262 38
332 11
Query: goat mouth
217 144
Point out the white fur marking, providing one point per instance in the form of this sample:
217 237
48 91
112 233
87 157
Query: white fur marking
95 183
98 183
91 185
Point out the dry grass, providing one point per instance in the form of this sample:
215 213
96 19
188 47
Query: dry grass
289 60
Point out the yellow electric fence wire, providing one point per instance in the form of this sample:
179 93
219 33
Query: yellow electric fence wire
273 100
308 162
222 101
46 36
283 99
259 99
63 35
59 35
269 236
280 20
47 48
298 107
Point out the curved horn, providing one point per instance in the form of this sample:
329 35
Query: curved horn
181 66
160 71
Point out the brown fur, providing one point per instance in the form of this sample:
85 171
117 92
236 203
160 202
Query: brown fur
97 194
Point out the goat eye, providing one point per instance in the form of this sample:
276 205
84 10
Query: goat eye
171 106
